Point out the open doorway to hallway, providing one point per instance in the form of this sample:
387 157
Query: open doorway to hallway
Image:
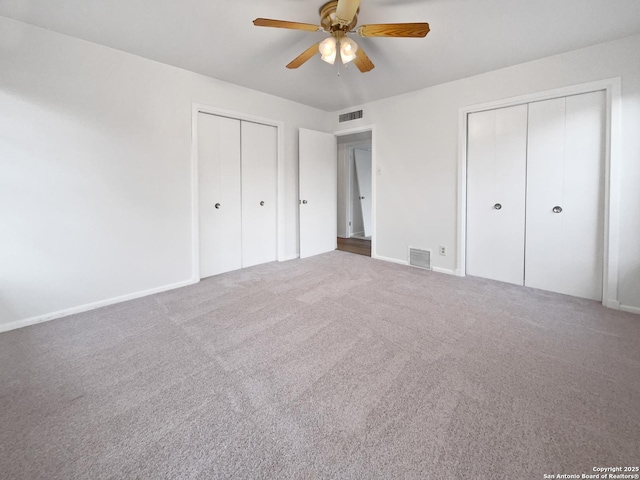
354 216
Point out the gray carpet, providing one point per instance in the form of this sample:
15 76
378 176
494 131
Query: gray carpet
338 366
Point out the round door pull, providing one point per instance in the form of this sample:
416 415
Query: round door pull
304 201
497 206
262 204
557 209
217 205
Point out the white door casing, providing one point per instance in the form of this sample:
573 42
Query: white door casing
219 184
318 192
496 175
362 159
565 173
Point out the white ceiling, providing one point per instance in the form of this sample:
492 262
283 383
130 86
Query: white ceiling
217 38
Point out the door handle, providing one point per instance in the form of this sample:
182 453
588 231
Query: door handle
262 204
557 209
497 206
304 201
361 198
217 205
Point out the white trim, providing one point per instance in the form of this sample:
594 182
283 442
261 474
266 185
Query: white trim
390 260
443 270
613 161
613 304
201 108
613 89
406 263
293 256
627 308
374 179
90 306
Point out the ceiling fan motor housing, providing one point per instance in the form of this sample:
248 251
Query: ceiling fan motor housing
328 18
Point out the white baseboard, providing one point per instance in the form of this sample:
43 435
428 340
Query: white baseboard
630 309
615 304
443 270
289 257
91 306
459 273
405 262
392 260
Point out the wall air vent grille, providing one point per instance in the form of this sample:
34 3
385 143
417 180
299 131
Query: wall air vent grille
347 117
420 258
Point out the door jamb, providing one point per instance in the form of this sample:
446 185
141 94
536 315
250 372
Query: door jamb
197 108
613 91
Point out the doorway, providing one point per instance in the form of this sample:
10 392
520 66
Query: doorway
354 203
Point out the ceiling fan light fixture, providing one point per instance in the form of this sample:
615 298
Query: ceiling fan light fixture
327 50
348 49
330 59
327 47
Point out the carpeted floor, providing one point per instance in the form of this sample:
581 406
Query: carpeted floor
337 366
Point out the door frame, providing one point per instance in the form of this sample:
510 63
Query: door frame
197 108
613 109
374 174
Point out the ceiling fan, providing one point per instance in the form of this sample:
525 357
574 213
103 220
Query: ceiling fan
339 18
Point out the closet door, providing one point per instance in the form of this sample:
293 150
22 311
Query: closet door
219 194
259 147
496 176
565 207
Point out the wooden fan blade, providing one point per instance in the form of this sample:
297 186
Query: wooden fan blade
267 22
416 30
304 56
346 10
362 61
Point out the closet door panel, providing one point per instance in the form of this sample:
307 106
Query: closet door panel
259 193
219 184
496 172
565 163
545 178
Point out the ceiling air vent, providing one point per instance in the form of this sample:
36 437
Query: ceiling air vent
420 258
347 117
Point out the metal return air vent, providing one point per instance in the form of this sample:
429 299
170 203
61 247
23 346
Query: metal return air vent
347 117
420 258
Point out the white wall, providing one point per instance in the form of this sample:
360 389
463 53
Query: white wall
417 151
95 151
95 164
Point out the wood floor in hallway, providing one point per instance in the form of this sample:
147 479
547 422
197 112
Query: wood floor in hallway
355 245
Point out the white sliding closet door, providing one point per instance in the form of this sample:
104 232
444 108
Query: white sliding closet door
219 194
565 207
259 147
496 176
